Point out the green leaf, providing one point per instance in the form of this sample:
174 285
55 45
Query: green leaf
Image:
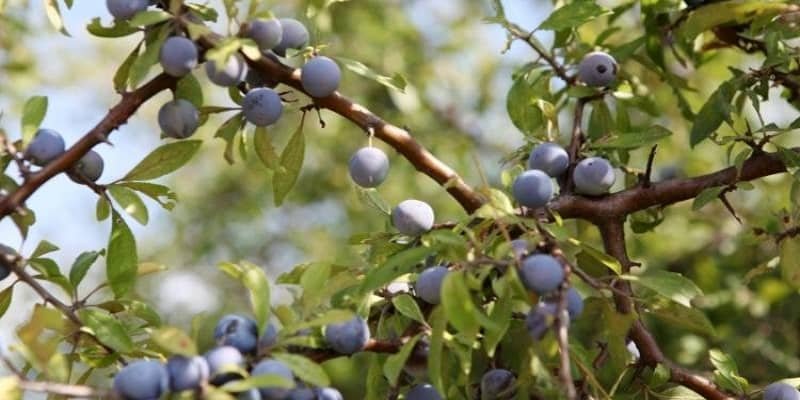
163 195
5 299
122 260
593 255
43 248
149 57
706 196
54 16
676 315
313 281
189 88
119 29
573 15
81 266
51 272
228 131
264 149
174 340
255 279
396 82
600 122
103 209
713 14
33 113
671 285
407 306
291 162
149 17
714 112
305 369
329 317
394 363
400 263
130 202
124 70
258 381
727 373
164 160
521 101
106 328
634 140
438 325
790 261
457 302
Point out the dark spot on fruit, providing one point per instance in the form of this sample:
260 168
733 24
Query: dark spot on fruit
602 69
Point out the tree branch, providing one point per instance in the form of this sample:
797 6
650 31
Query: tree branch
116 116
70 391
613 233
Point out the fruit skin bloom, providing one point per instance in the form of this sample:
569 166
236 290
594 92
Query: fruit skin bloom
533 188
413 217
320 77
550 158
598 69
178 56
262 106
369 167
348 337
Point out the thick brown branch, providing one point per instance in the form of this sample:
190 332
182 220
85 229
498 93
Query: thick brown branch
117 116
373 346
613 233
621 204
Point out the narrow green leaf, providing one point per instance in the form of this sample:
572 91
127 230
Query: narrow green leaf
407 306
258 381
122 260
164 160
163 195
255 279
124 70
5 299
676 315
714 14
291 162
264 149
54 16
573 15
119 29
189 88
671 285
149 57
634 140
394 364
438 324
81 266
43 248
130 202
103 209
790 261
308 371
400 263
457 302
149 17
174 340
33 113
106 328
706 196
396 82
228 131
714 112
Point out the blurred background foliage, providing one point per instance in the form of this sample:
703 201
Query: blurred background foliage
457 77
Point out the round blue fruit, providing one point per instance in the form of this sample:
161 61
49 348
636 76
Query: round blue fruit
178 56
498 384
126 9
533 188
223 364
142 380
178 119
429 284
328 393
593 176
369 167
781 391
320 77
229 74
268 337
520 248
348 337
187 373
539 319
302 394
266 32
6 255
237 331
549 158
413 217
294 36
574 303
597 69
90 166
273 367
423 392
262 106
46 146
541 273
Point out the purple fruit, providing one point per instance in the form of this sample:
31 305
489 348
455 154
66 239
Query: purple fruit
222 362
429 284
423 392
90 166
498 384
262 106
186 373
237 331
229 74
294 36
126 9
539 319
142 380
328 393
46 146
574 303
178 56
413 217
273 367
267 33
369 167
541 273
320 77
593 176
549 158
6 254
348 337
597 69
533 188
781 391
268 337
178 119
